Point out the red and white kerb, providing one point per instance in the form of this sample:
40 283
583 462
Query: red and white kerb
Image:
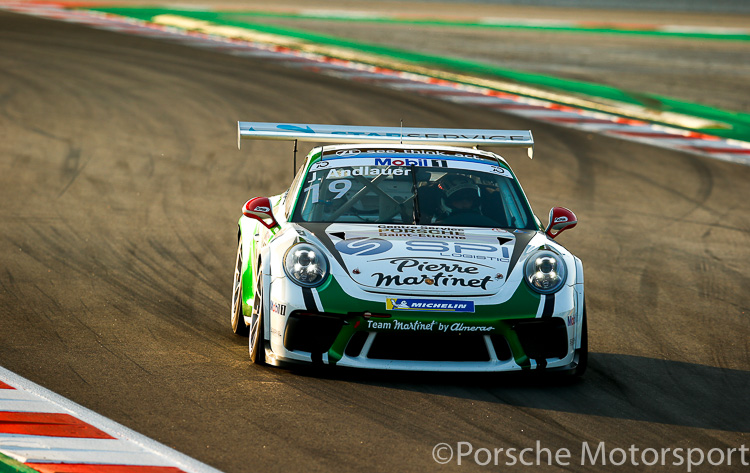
46 433
538 109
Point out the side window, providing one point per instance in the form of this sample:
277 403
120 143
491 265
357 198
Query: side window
291 194
515 208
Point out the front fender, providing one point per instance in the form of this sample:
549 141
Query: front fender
251 232
579 300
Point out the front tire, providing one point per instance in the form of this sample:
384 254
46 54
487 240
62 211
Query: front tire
238 320
583 352
256 344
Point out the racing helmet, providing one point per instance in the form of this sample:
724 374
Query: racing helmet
457 187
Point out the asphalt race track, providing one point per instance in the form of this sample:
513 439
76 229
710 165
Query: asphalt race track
121 185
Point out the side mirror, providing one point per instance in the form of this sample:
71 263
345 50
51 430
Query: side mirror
259 208
560 219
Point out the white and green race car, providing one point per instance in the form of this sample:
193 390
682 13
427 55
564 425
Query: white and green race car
406 249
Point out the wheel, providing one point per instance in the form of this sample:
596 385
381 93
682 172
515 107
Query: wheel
256 345
583 352
238 321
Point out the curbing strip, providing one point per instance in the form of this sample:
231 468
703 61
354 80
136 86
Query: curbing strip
288 51
58 403
9 465
593 96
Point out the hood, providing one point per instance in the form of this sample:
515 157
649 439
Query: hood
408 259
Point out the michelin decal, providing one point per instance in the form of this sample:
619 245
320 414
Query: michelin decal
437 305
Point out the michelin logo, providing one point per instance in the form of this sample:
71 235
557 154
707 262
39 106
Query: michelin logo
434 305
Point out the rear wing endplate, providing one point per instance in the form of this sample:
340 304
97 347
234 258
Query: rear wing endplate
380 134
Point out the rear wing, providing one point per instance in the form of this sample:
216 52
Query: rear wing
388 135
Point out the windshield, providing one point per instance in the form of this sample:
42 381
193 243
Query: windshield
451 193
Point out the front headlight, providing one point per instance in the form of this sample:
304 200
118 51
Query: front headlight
545 272
306 265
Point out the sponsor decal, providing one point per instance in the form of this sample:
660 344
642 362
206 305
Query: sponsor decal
348 152
414 230
439 246
416 133
377 324
437 305
320 165
461 250
433 326
278 308
383 151
363 246
421 232
571 320
374 165
561 219
432 265
437 163
384 233
462 327
501 171
447 275
261 209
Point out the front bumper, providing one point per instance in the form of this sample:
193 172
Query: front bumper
346 326
425 342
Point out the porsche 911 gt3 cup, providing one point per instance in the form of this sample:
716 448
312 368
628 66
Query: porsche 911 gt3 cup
406 249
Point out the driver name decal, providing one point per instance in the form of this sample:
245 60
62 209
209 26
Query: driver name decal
338 173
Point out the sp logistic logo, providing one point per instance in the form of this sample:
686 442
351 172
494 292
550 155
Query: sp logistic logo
363 246
433 305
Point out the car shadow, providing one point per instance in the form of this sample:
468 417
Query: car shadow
616 386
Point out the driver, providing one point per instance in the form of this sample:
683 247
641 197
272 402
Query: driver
462 198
